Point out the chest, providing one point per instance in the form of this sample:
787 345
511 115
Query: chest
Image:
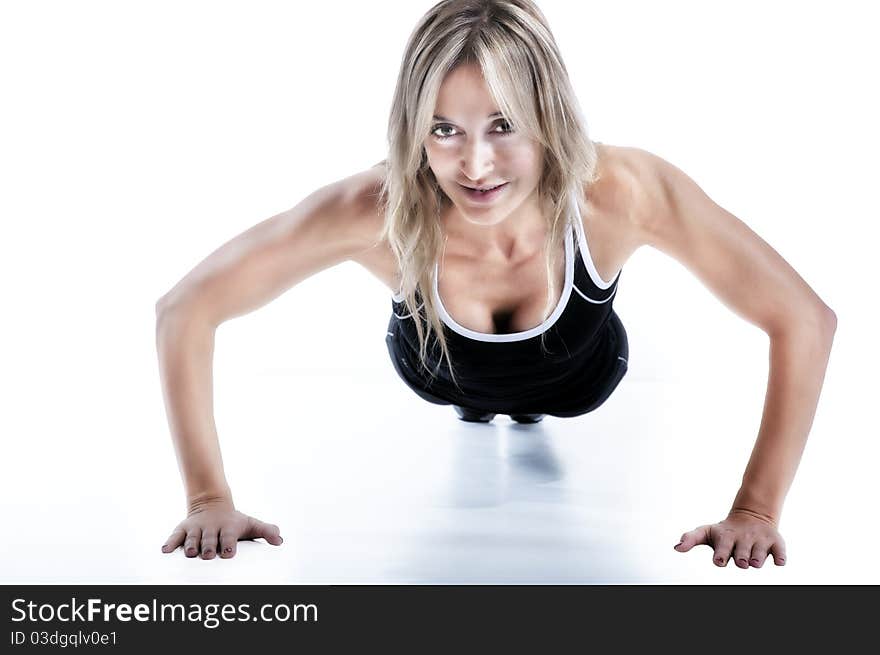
499 297
505 297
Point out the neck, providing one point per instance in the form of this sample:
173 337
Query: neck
518 234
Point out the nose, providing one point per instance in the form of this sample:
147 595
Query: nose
477 160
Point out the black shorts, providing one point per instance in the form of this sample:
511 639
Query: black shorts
619 345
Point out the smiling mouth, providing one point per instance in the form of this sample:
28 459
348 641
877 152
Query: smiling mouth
483 189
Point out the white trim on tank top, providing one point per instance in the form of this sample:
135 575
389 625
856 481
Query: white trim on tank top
587 298
585 254
515 336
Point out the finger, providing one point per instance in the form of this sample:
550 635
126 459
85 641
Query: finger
693 538
723 548
191 545
209 543
742 552
759 554
267 531
174 540
778 552
227 543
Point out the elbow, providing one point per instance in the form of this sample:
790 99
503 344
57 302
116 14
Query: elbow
162 306
182 307
817 320
173 300
824 320
829 320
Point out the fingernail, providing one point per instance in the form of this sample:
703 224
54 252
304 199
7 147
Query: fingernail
754 562
678 544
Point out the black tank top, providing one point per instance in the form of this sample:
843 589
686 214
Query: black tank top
512 373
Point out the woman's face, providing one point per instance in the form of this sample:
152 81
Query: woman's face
472 145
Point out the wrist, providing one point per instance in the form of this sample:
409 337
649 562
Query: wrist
749 503
198 501
738 510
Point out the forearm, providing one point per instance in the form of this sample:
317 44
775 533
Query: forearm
186 348
798 360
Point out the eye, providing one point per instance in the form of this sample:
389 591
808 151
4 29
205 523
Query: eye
442 127
507 129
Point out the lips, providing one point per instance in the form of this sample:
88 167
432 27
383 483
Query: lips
484 188
484 198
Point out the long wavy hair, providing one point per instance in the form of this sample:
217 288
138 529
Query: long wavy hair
511 42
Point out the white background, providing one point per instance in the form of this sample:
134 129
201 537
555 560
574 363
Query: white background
136 138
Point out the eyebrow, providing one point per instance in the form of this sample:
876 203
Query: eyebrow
443 118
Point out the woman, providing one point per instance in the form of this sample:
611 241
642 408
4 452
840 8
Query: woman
501 230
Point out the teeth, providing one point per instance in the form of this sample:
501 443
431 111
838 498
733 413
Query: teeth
486 190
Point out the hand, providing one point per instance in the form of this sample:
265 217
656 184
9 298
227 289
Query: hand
214 519
749 538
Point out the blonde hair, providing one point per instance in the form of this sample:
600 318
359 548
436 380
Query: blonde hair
511 42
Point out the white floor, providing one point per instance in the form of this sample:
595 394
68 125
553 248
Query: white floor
385 488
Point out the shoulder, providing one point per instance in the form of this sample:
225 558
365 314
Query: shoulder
632 186
359 213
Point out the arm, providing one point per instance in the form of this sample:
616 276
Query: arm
185 344
798 359
751 278
329 226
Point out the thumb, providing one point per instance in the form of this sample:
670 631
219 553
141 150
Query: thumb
267 531
693 538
